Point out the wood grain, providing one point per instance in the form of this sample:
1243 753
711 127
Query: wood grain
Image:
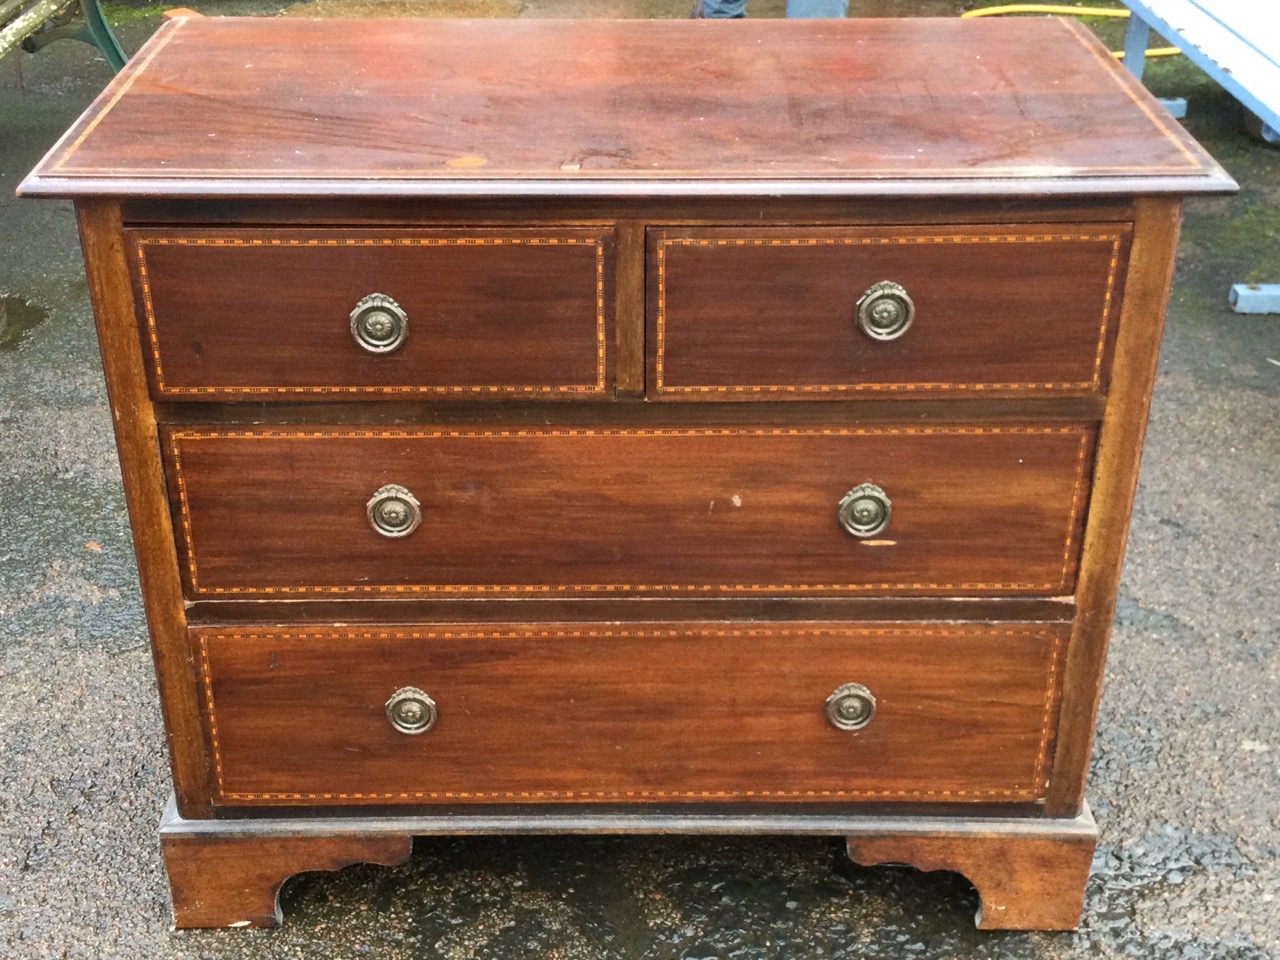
634 411
1001 854
234 881
264 314
624 511
598 712
400 610
296 107
145 492
771 314
631 309
1119 456
708 209
1025 880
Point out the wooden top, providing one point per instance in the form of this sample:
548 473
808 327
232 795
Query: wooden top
284 107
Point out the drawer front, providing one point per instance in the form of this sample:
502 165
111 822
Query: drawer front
773 314
265 314
647 712
582 511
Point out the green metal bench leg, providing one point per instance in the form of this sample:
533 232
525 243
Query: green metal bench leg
101 36
95 31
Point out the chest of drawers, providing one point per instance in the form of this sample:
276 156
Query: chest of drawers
628 427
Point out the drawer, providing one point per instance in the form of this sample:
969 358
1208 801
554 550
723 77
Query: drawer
784 313
327 314
643 712
591 511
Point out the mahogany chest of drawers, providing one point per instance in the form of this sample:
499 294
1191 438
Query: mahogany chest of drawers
628 427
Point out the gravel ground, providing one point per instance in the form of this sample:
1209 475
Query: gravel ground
1185 773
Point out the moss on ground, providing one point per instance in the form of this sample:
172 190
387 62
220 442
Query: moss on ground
120 13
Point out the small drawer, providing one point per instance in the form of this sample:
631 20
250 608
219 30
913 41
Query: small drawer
619 511
827 313
712 712
267 314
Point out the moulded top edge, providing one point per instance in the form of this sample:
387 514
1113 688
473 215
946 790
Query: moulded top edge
105 187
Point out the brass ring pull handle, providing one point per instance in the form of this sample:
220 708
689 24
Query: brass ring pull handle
865 510
378 324
393 511
885 311
851 707
411 711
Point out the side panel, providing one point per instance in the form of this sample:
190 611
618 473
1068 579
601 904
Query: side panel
145 490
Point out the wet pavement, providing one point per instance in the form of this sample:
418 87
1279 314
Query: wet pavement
1185 782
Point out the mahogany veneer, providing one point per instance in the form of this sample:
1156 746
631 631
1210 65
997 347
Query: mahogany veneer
496 313
972 286
700 511
389 315
658 712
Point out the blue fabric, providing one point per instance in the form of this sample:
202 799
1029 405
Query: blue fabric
817 8
724 9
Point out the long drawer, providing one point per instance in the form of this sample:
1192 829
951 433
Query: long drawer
631 713
312 314
793 313
691 511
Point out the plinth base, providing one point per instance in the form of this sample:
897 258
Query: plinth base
1030 873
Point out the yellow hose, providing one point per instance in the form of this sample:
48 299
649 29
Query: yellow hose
1062 11
1046 8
